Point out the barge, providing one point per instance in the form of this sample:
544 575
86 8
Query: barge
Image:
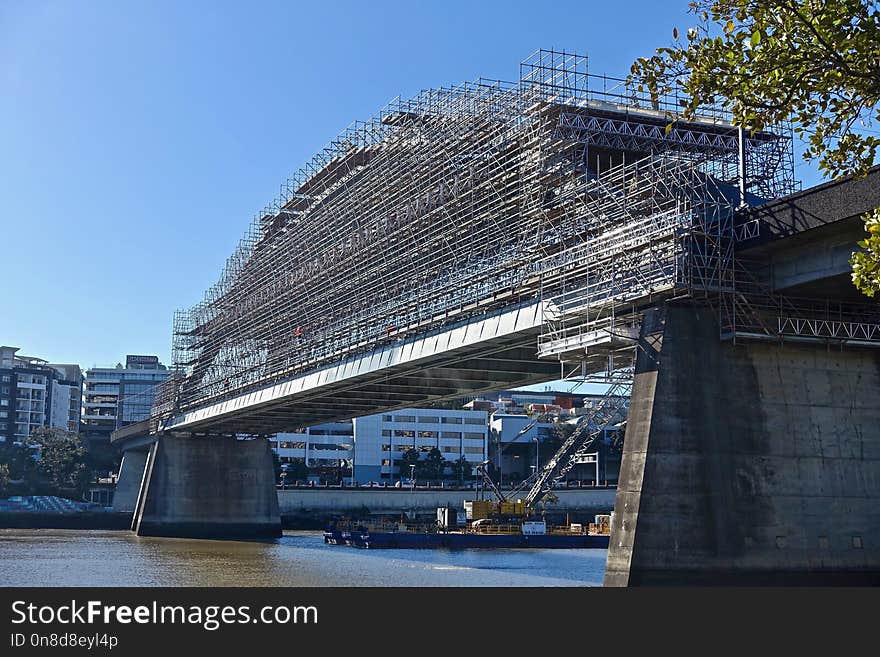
478 534
370 539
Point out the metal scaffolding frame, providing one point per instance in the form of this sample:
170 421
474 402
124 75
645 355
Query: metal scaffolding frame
564 187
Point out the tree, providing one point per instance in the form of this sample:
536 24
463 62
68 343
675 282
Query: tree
297 471
62 457
432 466
20 462
276 465
4 479
410 457
461 470
866 263
769 61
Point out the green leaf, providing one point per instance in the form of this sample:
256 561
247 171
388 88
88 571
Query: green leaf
756 38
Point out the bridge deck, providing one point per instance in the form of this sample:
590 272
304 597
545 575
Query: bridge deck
481 354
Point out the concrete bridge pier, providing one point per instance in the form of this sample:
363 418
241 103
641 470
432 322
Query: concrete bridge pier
755 463
201 487
128 483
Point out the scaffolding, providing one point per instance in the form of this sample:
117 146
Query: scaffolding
564 187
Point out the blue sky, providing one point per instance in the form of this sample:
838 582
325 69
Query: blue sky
137 139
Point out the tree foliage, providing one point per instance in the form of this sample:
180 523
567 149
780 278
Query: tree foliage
4 479
815 62
432 466
462 471
866 263
20 463
409 458
62 457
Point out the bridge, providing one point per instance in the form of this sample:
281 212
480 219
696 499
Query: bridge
497 234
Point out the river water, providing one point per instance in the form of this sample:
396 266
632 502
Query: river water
53 557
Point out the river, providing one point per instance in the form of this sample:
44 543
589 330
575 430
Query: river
53 557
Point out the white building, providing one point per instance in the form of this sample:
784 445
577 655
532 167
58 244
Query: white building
381 440
326 448
67 397
376 443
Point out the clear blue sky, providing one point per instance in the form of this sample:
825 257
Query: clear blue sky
137 139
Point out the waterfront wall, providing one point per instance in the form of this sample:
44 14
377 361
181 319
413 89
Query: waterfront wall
303 500
751 463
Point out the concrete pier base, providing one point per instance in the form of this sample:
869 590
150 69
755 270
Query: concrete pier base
208 487
128 484
747 464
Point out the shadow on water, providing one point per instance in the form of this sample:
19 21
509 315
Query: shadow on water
300 558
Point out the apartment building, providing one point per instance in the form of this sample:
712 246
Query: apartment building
35 393
114 397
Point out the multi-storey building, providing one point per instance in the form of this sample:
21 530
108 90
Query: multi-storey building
67 397
35 393
381 440
114 397
374 445
326 449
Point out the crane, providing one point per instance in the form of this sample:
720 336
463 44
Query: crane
587 430
487 479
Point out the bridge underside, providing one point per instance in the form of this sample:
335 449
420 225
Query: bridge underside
479 355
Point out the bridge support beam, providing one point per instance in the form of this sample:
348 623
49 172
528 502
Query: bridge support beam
747 464
208 487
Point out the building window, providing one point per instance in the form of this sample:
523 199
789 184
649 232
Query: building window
386 433
386 447
5 390
4 402
473 450
427 434
387 418
4 414
474 420
404 433
451 420
6 378
454 435
473 436
404 418
449 449
429 419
